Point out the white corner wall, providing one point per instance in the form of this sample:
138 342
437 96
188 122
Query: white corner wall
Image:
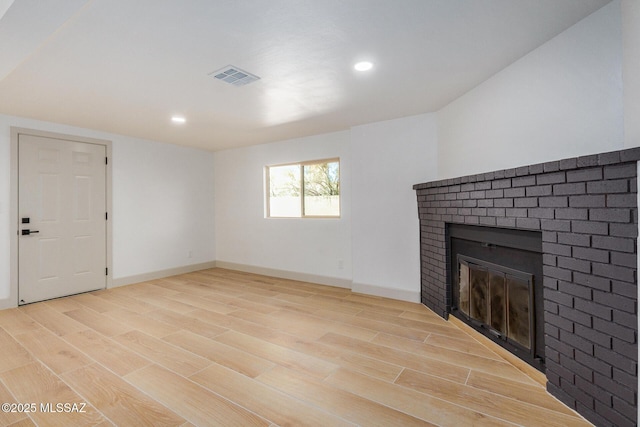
302 248
388 159
561 100
162 204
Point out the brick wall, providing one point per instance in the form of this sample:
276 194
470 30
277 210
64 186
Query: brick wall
586 208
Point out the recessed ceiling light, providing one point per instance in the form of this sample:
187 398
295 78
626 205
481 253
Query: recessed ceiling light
363 66
178 119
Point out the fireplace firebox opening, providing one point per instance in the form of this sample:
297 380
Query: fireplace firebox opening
496 286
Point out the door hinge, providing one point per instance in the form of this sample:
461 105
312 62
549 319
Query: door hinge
106 271
106 160
106 216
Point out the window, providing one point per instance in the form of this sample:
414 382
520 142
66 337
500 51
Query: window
300 190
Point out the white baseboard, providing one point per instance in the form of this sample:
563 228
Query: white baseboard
123 281
284 274
362 288
399 294
379 291
8 303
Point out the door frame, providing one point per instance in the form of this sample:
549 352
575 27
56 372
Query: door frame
14 205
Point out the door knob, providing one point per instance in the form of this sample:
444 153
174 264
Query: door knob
27 232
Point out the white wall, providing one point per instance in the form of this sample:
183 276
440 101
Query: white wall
376 240
561 100
388 159
162 203
631 71
4 6
317 249
5 213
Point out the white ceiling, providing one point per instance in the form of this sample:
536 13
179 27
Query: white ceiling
126 66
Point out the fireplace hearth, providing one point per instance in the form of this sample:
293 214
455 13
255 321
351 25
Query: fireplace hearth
496 277
585 212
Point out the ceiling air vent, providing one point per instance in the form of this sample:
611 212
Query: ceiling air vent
234 75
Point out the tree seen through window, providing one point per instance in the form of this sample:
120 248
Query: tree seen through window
309 189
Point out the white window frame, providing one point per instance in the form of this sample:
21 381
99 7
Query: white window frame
267 188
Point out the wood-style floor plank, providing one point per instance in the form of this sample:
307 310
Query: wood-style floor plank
276 301
61 305
171 357
92 302
197 301
26 422
143 323
165 302
445 370
349 406
56 322
223 347
107 352
339 356
245 304
462 344
13 354
98 322
292 359
468 360
119 297
400 323
385 302
328 325
516 390
122 403
191 401
190 322
232 323
412 402
492 404
57 354
259 398
279 323
7 417
238 360
35 383
16 322
323 301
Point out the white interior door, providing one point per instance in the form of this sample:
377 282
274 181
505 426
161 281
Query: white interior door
62 218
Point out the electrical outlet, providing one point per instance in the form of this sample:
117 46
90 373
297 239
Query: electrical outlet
340 264
190 254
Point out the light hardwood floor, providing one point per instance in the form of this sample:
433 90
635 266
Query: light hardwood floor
220 347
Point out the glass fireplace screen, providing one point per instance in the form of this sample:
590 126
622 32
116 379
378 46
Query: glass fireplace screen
499 298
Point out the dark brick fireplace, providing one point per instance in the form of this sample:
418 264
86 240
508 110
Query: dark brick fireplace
586 210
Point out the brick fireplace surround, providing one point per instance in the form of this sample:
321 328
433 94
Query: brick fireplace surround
586 209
